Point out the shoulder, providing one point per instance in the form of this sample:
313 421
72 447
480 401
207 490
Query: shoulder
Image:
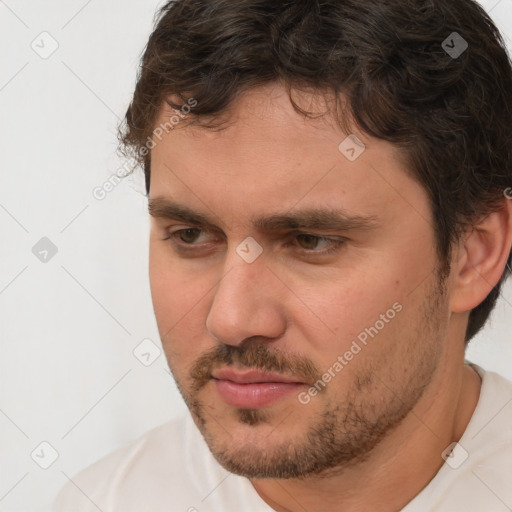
168 468
491 423
488 439
132 471
477 476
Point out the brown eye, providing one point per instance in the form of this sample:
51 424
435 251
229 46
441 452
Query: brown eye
308 242
188 236
315 245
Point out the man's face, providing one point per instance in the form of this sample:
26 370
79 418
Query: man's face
348 313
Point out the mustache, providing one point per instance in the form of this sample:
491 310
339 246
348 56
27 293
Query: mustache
256 356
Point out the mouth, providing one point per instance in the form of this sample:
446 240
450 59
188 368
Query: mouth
253 389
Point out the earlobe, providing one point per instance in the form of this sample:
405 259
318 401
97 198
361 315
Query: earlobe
481 259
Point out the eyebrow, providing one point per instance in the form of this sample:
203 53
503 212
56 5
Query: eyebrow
314 219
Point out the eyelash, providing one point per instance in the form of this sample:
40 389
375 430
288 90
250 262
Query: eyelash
336 243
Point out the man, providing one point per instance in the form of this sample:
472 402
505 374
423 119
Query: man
328 186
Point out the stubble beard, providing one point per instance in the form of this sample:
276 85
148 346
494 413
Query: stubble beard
342 434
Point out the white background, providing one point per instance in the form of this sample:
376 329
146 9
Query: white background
69 326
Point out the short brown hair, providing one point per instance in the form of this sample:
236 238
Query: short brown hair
451 115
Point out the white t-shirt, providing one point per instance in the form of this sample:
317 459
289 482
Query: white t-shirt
171 469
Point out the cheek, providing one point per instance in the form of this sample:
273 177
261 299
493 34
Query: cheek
164 284
359 307
180 301
174 286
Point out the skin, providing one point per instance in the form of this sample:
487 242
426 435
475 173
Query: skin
373 438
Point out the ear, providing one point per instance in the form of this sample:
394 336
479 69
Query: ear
481 258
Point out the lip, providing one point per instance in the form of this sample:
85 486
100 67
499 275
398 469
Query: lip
251 376
253 389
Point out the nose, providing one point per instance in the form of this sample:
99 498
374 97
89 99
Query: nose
247 303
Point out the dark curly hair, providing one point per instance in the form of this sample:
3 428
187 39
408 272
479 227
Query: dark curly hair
449 114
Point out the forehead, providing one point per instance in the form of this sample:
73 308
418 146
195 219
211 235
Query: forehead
267 154
264 113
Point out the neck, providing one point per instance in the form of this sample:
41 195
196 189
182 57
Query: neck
400 466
